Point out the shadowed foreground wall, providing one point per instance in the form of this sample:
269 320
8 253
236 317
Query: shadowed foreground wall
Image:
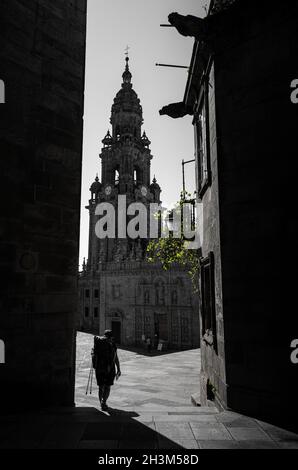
250 210
257 151
42 61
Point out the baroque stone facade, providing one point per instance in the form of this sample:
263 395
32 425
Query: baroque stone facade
135 299
118 287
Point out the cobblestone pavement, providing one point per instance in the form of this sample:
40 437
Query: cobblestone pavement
161 380
152 405
149 408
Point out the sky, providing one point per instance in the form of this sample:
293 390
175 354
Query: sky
112 25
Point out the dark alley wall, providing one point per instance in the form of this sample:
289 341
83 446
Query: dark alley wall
249 204
257 153
42 62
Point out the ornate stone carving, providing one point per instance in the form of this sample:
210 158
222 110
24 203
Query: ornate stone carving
176 110
139 251
132 253
102 253
117 252
190 26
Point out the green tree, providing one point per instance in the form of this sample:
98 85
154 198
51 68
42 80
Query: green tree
171 250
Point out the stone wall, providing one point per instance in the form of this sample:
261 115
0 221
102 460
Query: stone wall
249 210
256 61
42 61
213 362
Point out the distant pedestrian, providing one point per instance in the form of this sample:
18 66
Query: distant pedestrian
148 342
105 358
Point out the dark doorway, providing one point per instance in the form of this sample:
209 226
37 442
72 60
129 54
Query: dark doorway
116 329
161 326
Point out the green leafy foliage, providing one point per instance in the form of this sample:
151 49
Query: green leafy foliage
170 251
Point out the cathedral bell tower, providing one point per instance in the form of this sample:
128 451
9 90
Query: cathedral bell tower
125 170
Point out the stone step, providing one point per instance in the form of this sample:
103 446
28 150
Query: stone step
149 408
196 399
170 410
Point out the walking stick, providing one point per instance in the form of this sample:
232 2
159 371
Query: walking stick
89 379
88 383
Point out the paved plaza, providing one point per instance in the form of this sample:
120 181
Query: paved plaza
160 379
150 408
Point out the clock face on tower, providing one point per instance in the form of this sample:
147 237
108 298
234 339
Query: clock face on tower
108 190
144 191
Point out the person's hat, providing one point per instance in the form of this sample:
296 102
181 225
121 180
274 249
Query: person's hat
108 333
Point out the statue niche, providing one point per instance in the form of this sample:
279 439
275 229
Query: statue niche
160 293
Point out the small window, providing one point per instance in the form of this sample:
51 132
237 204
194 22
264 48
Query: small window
116 291
201 124
116 177
86 312
95 312
2 92
174 297
96 293
208 301
146 297
87 293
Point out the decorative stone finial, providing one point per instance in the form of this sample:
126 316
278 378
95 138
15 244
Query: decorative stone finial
127 75
108 140
145 140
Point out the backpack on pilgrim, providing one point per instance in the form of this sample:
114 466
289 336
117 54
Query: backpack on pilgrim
103 355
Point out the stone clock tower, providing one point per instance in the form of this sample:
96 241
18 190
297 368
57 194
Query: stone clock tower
125 168
119 288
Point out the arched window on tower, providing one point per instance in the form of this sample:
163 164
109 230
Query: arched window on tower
116 176
137 176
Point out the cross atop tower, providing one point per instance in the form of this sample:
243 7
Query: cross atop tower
127 51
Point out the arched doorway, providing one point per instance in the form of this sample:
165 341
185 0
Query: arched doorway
161 326
116 329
